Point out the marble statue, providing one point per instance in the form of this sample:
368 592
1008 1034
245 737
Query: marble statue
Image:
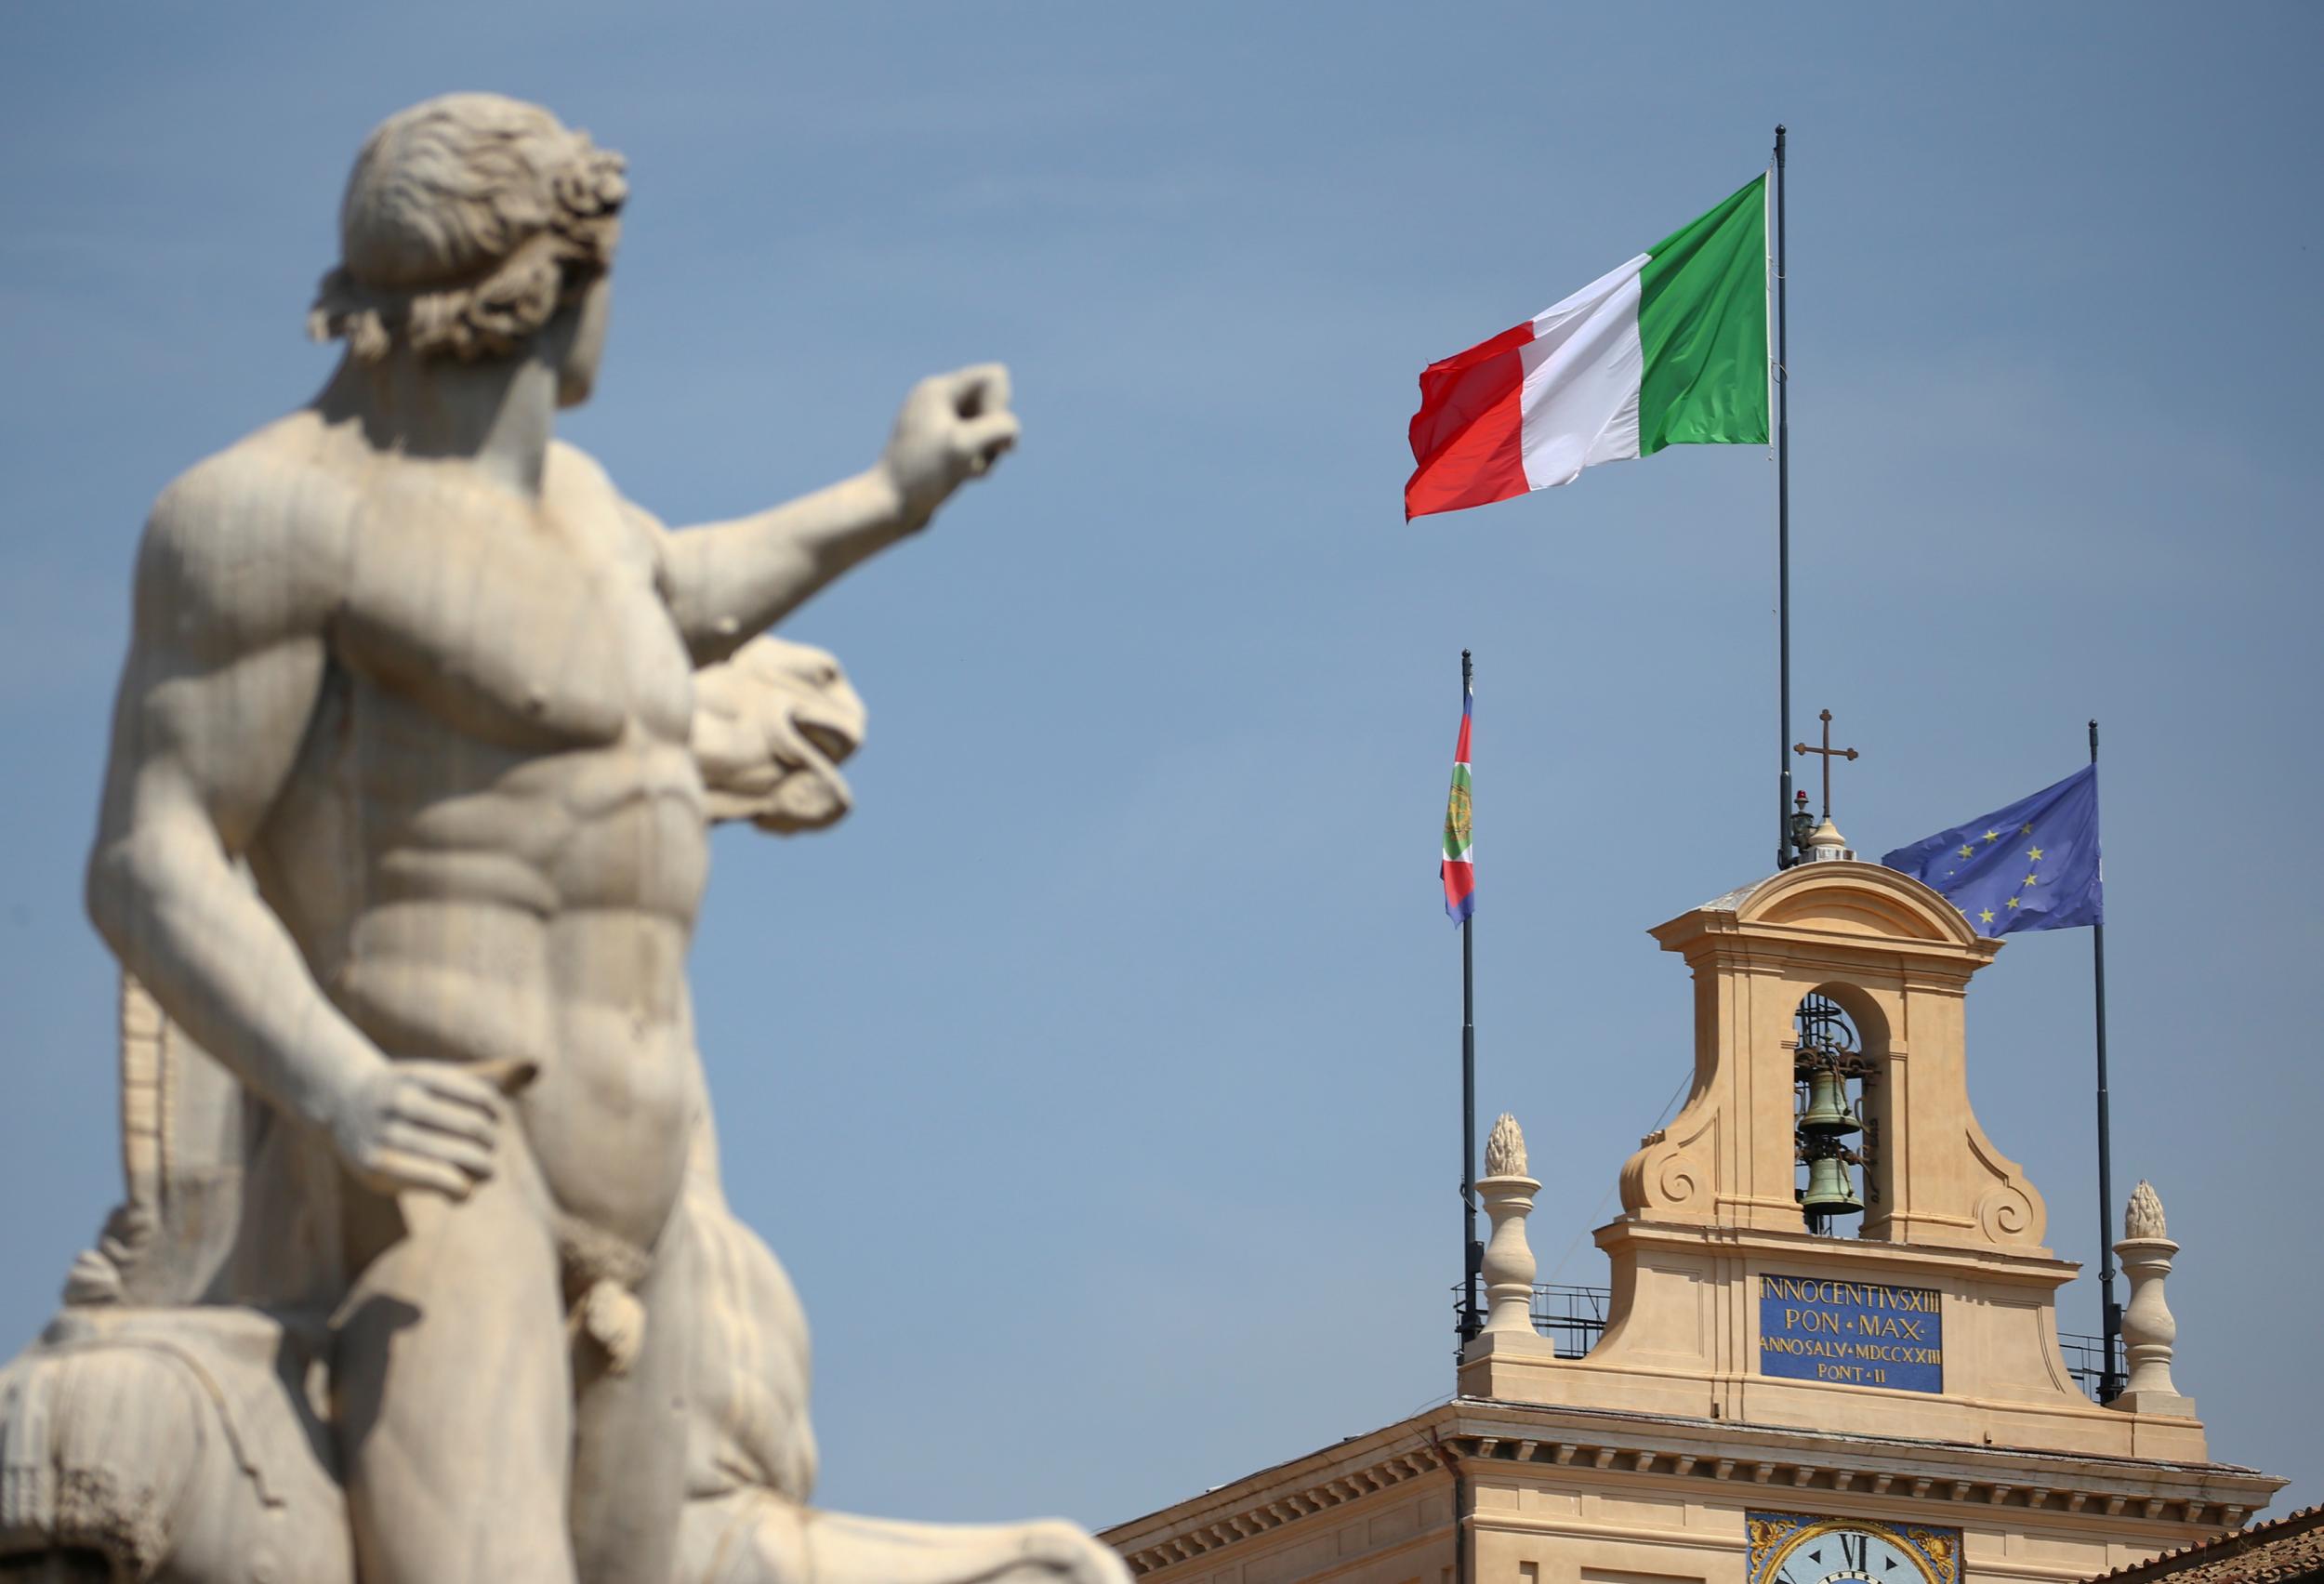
425 1273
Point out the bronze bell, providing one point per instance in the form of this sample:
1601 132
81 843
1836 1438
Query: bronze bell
1828 1111
1829 1190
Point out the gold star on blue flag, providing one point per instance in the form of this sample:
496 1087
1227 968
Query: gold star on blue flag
2045 877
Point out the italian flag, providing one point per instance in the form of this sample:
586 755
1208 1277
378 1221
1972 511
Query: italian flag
1459 868
1669 349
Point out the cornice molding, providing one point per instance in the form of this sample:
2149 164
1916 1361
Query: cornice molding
2013 1263
1485 1439
1487 1433
1206 1526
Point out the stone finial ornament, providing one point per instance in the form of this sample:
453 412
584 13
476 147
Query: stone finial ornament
1825 844
1509 1265
2149 1333
2144 1217
1505 1148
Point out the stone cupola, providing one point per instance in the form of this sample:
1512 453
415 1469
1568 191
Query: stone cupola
1898 958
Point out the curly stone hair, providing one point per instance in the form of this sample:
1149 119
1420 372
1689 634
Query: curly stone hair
468 221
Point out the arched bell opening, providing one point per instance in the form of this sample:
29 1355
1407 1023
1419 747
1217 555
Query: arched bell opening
1836 1110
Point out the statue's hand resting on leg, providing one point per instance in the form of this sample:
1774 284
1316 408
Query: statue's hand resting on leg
428 1125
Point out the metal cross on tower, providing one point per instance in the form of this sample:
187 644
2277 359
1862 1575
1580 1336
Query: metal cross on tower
1829 754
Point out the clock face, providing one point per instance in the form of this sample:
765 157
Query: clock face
1868 1556
1800 1548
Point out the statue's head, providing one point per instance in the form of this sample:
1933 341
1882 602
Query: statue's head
472 225
772 723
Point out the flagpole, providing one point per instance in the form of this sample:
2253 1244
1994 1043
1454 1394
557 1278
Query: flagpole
1471 1251
1782 376
2110 1311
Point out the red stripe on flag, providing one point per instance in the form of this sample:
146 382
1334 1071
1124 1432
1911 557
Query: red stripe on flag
1461 888
1461 749
1468 436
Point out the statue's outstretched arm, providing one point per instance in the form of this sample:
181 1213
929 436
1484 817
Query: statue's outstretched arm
226 661
727 582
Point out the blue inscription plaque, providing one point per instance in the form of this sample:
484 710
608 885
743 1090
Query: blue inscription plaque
1852 1333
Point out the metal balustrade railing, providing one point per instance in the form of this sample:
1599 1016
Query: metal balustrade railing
2085 1361
1574 1318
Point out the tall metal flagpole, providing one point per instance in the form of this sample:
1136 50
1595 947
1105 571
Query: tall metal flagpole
2110 1311
1782 376
1471 1251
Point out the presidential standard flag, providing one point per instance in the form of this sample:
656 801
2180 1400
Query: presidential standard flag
2033 865
1669 349
1458 867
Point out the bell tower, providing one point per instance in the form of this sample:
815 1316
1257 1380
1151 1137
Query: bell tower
1833 971
1824 1236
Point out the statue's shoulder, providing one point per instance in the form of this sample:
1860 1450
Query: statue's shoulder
574 466
573 472
296 473
577 484
264 523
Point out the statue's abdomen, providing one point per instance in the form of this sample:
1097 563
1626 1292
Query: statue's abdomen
475 904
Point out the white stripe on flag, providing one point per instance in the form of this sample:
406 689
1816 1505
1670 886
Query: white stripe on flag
1582 372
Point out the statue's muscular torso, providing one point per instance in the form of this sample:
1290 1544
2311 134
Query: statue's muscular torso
492 845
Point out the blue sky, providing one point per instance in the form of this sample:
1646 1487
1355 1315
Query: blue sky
1098 1080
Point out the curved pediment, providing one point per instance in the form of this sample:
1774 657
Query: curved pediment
1850 898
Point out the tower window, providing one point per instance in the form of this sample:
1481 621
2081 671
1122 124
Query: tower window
1829 1074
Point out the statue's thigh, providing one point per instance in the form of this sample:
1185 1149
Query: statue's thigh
453 1392
629 1440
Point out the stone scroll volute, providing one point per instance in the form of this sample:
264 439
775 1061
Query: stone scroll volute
1666 1177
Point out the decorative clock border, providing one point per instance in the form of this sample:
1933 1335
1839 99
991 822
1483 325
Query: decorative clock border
1774 1535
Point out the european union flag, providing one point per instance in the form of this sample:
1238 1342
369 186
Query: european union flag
2033 865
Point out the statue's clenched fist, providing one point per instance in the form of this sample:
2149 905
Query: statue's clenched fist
953 427
430 1125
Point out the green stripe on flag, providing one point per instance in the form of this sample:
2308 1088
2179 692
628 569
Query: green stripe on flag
1457 836
1702 319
